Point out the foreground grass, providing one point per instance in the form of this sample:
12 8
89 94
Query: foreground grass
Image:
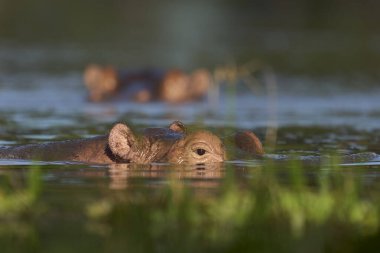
333 211
17 197
286 210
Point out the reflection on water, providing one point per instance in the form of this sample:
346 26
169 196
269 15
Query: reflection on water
133 176
198 177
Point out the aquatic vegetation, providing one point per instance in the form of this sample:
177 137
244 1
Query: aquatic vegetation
16 200
261 213
237 207
266 208
18 208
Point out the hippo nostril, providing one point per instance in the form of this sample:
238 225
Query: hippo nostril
200 166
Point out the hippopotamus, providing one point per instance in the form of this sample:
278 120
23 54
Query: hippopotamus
144 85
172 144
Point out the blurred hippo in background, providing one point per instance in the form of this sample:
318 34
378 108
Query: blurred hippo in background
144 85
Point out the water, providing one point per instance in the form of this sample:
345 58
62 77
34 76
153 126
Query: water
106 206
313 91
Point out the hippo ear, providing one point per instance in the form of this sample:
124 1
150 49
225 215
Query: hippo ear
121 140
249 142
177 126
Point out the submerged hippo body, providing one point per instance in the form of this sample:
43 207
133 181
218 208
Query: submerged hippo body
248 142
81 150
171 145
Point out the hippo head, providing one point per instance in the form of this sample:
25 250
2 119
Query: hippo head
200 147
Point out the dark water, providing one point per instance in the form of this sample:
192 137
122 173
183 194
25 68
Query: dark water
313 89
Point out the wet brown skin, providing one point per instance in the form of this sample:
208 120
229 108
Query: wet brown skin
249 142
170 144
91 150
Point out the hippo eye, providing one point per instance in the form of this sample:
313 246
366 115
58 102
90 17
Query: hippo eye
200 151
